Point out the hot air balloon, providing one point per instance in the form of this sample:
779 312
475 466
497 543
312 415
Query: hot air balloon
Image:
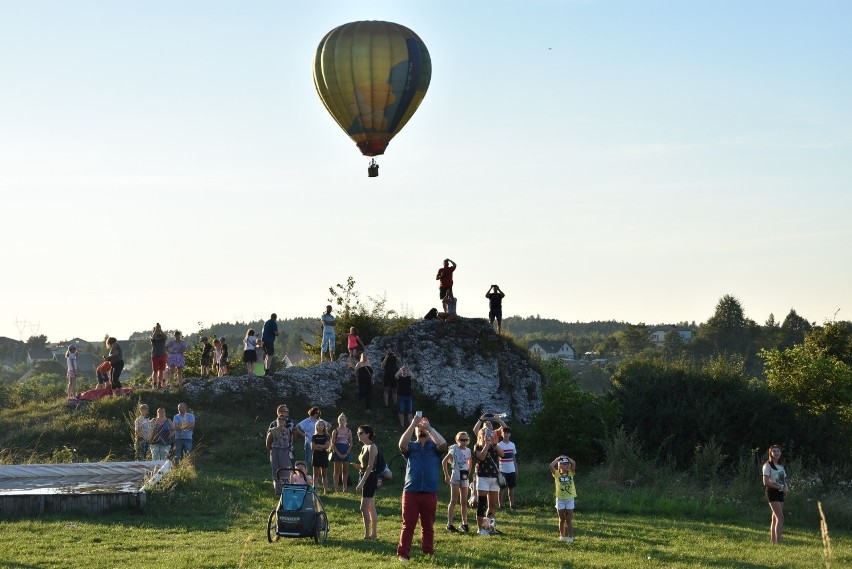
371 77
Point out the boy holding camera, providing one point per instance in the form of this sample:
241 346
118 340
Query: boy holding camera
562 469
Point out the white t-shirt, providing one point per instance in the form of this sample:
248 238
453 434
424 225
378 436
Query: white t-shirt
776 475
250 343
507 461
461 460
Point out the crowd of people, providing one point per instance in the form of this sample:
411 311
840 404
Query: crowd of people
466 469
164 438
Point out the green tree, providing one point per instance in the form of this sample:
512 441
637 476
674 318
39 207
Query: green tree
673 345
793 330
808 377
635 338
36 342
834 339
608 347
726 330
575 420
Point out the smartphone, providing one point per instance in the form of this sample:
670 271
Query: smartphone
419 414
489 415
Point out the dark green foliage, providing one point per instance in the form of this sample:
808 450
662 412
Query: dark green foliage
36 387
572 421
674 407
793 330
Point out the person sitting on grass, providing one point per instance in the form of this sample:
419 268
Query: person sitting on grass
562 469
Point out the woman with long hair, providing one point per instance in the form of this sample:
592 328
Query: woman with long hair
775 485
458 459
487 455
116 360
364 378
250 351
175 359
341 438
369 480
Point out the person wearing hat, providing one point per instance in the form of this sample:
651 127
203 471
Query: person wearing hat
562 469
206 357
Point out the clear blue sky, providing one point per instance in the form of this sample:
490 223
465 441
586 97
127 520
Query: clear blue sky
170 162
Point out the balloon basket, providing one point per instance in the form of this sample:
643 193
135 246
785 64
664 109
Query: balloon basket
373 169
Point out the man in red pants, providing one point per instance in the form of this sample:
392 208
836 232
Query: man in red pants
420 493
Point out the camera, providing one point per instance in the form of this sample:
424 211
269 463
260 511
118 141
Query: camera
419 414
489 415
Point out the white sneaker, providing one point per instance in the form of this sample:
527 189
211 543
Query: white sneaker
569 539
484 532
563 538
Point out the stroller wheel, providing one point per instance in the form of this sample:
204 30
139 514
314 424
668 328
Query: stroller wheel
272 527
321 529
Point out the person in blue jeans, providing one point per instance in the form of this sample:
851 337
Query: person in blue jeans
184 425
404 399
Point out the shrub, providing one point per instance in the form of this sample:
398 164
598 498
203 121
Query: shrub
674 406
571 421
625 463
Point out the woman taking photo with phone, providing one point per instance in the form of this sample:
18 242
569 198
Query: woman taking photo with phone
775 484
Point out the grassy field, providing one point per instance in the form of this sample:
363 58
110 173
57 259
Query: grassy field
214 515
218 519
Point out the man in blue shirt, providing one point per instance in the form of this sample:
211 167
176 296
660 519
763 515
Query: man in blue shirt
184 423
270 331
420 493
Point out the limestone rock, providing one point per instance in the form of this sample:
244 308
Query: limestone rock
463 364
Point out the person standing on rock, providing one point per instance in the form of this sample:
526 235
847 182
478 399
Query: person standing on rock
364 378
328 336
404 397
267 337
175 359
390 367
445 275
495 306
158 357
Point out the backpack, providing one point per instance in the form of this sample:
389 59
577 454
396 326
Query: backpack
379 465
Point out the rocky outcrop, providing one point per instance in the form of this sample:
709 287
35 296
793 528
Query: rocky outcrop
320 384
466 365
462 364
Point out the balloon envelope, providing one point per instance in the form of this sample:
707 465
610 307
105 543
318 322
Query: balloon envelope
372 76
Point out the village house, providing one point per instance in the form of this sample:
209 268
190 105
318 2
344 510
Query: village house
658 334
549 349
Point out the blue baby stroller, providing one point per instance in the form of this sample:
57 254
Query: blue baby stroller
300 512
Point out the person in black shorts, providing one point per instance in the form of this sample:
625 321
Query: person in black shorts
775 484
495 306
390 367
369 480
